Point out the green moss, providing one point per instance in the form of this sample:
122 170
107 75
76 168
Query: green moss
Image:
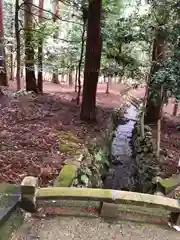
69 136
64 148
171 182
16 219
66 176
6 188
13 223
68 146
89 193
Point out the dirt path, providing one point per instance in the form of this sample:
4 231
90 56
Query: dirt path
69 228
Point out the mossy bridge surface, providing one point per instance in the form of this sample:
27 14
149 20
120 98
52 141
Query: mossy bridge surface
83 213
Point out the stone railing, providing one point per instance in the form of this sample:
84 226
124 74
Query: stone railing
103 202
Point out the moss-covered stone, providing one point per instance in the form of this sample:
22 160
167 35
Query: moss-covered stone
145 154
6 188
89 194
170 183
16 219
66 176
65 148
68 145
13 223
69 136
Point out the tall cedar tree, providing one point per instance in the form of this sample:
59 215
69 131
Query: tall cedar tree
29 50
40 50
92 61
153 108
3 76
11 56
56 9
18 48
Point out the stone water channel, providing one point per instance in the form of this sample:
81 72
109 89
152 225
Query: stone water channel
122 171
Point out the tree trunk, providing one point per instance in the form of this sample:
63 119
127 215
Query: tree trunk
108 84
12 56
62 77
175 110
153 109
3 75
92 61
70 79
158 137
18 48
40 51
76 78
56 8
80 62
29 50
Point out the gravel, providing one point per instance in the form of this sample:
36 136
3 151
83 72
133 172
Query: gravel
75 228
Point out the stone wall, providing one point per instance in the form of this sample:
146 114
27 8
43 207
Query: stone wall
147 162
88 164
95 161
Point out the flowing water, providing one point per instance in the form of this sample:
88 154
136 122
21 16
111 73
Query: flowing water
122 171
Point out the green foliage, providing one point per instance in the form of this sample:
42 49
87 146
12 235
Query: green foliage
44 30
101 158
128 31
166 18
168 76
85 179
124 51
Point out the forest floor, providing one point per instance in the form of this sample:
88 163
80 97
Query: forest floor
30 126
170 140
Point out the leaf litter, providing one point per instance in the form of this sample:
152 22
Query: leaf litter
29 135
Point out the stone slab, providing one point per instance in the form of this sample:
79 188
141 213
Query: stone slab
9 209
12 225
110 196
130 213
70 207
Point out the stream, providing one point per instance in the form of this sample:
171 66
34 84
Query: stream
122 170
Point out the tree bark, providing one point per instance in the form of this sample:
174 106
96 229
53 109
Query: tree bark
29 50
56 8
18 48
40 51
76 78
158 137
70 79
3 75
62 77
108 84
12 55
92 61
80 62
175 110
153 109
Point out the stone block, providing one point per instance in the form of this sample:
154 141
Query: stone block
169 184
71 207
109 210
28 194
175 218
